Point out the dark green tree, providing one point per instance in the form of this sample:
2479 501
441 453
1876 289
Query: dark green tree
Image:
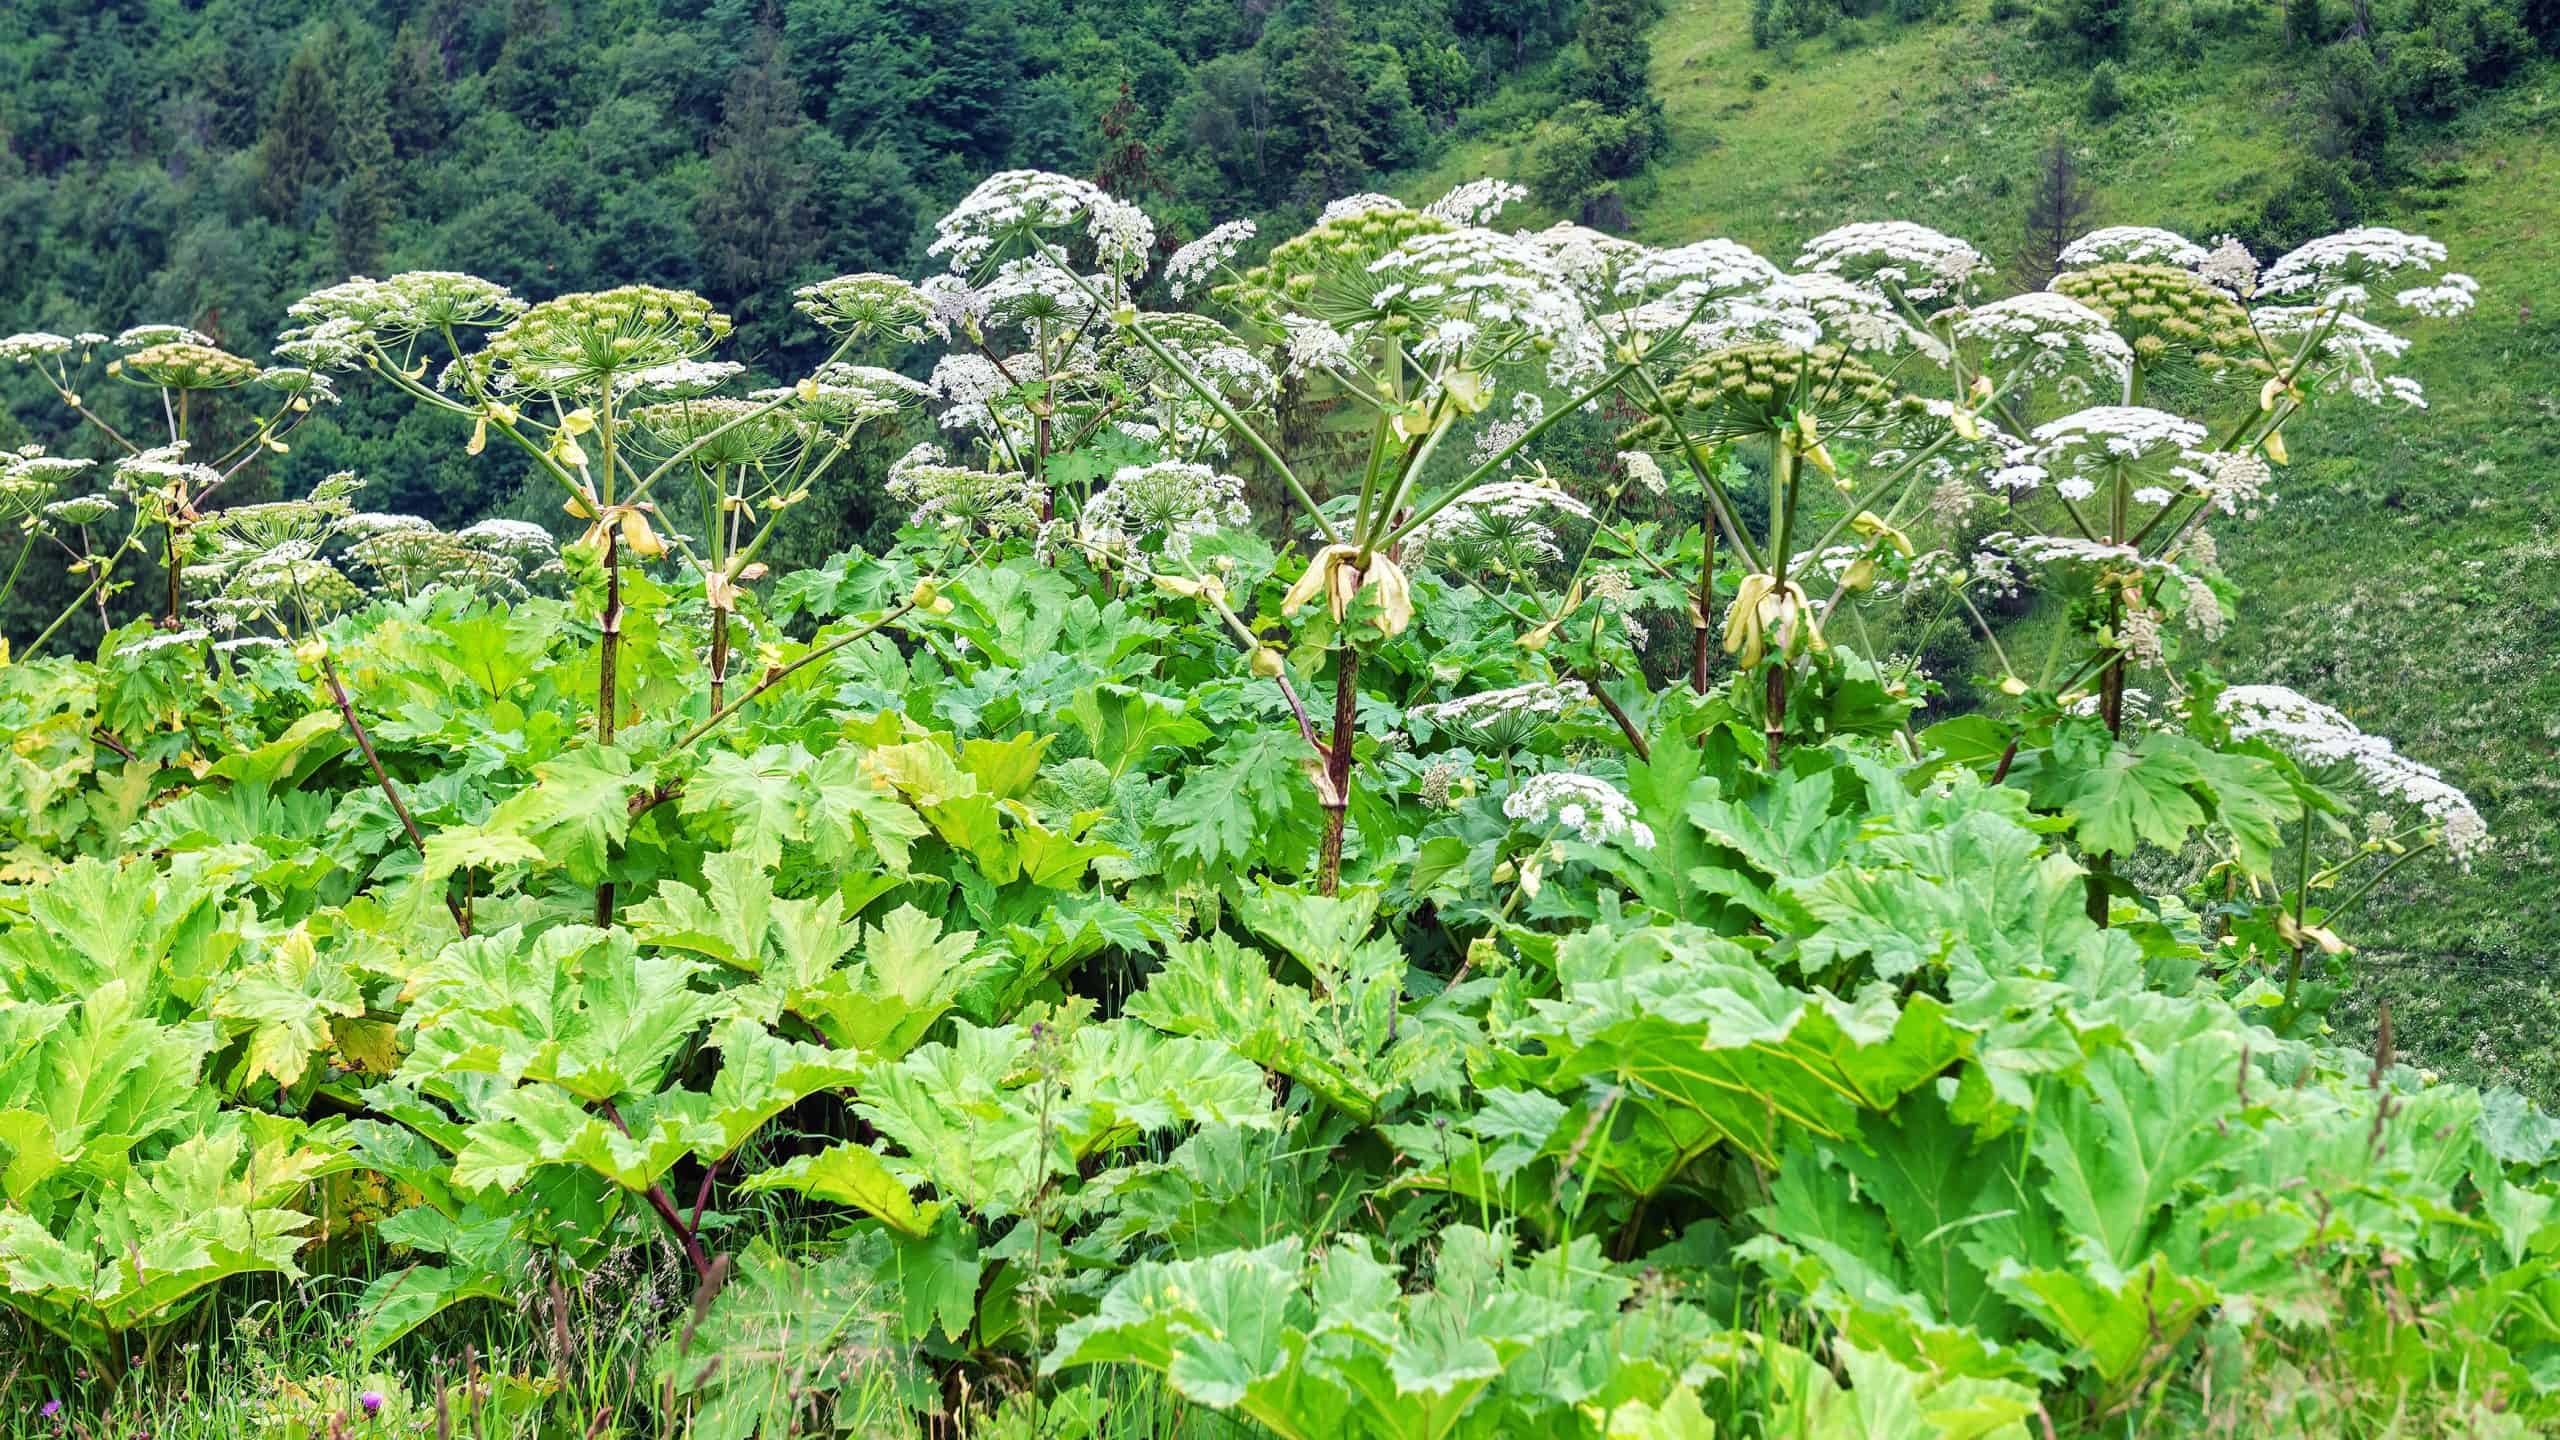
1320 97
2058 212
298 148
753 211
367 202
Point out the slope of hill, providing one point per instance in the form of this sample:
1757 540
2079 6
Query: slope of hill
2409 573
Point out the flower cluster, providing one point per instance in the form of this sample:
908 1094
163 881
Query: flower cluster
1502 527
2358 257
30 346
2320 735
1170 498
1592 809
867 307
2047 335
2359 351
2133 244
1477 202
943 496
579 343
1196 261
1765 387
727 431
2131 440
1015 206
1505 718
181 365
2230 266
1896 255
29 479
2168 315
408 556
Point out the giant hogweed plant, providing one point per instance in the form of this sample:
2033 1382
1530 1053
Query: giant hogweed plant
1005 947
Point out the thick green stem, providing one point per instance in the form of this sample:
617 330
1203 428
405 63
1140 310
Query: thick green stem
1336 793
382 777
2301 904
1703 611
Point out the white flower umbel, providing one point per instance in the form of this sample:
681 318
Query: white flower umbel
1480 298
1196 261
1017 206
1849 315
1360 204
34 345
2231 266
867 306
2136 244
1591 809
1646 471
2356 257
1502 719
2454 295
2359 353
950 497
1506 526
2147 443
1587 257
2046 335
143 337
1477 202
1169 498
1914 259
2320 735
520 539
679 379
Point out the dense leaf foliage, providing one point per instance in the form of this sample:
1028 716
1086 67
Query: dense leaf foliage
974 969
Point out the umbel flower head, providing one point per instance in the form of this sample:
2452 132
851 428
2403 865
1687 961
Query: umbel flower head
392 312
2048 336
1507 718
944 496
29 479
2142 445
2321 736
2134 244
582 342
1504 527
1591 809
2362 257
33 345
867 307
1323 273
1170 498
1015 211
2168 315
183 365
732 432
1767 388
843 398
1897 256
143 337
1205 256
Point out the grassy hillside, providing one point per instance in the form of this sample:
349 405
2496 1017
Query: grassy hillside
2410 573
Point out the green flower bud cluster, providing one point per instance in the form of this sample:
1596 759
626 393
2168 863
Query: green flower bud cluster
1292 279
2168 315
1760 388
675 424
182 365
580 341
868 306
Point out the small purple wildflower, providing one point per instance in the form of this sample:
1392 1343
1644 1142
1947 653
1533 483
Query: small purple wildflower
371 1400
48 1409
